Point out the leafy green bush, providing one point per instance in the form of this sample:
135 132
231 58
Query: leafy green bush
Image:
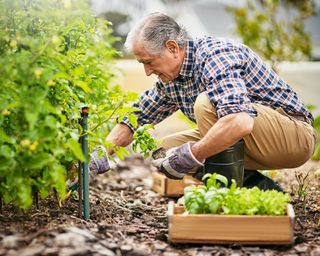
215 199
55 56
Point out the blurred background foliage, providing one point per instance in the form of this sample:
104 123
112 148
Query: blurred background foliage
276 38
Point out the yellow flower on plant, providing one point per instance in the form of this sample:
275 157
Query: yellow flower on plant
34 145
51 82
25 143
55 40
18 36
13 43
6 112
38 72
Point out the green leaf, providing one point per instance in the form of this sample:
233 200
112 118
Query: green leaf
75 148
222 179
122 152
32 117
38 161
83 85
133 119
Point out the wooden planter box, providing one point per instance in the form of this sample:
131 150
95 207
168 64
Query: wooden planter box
228 229
169 187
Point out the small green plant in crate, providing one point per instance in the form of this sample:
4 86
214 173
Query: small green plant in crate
216 198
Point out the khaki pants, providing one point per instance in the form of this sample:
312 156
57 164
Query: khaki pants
277 140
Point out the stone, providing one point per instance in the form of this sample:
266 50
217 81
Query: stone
301 248
73 251
11 241
126 247
315 252
101 250
36 249
69 240
160 245
82 232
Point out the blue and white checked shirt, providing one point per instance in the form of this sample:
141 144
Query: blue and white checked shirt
232 75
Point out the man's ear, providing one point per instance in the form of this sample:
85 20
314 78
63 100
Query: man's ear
172 46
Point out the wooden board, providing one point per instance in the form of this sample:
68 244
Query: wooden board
224 229
169 187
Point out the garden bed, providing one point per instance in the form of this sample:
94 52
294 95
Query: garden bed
128 218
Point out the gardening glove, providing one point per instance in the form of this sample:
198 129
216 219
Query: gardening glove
177 162
99 164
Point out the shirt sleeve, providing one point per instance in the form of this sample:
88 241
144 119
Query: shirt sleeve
154 106
226 89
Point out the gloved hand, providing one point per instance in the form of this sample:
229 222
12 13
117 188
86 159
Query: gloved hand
99 164
177 162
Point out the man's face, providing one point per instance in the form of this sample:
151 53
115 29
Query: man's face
166 66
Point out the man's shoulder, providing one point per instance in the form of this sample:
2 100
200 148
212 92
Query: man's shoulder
207 47
215 41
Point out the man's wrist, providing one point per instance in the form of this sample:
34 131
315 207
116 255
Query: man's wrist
196 151
125 121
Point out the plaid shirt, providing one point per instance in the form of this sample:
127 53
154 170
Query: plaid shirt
231 74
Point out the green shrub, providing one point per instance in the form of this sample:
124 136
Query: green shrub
55 56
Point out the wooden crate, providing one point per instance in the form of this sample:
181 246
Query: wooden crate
228 229
169 187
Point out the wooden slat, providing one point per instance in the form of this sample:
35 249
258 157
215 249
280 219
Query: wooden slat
210 228
159 184
170 187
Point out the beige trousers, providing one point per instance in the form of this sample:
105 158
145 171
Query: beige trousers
276 141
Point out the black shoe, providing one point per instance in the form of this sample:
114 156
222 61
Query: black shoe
253 178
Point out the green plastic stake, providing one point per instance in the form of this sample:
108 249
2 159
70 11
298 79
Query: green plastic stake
79 185
85 166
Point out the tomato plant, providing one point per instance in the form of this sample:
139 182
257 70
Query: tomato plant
55 57
217 199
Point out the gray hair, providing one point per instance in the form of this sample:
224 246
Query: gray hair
154 31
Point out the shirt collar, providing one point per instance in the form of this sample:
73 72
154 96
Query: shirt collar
188 62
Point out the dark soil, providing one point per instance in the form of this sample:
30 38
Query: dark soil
127 218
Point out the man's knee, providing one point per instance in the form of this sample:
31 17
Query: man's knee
205 113
203 106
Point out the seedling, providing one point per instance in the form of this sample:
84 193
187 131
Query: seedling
302 191
143 141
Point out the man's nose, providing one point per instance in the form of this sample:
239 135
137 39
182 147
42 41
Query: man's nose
147 70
